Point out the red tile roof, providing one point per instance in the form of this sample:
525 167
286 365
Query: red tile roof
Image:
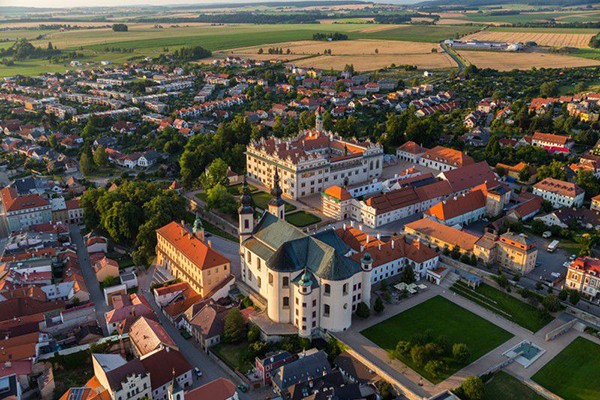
219 389
448 156
13 202
194 249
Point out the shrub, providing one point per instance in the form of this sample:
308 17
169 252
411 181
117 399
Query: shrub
434 368
253 334
378 307
362 310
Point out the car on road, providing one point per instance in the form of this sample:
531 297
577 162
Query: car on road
546 234
242 388
198 372
573 256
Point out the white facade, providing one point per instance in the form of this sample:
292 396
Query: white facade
559 200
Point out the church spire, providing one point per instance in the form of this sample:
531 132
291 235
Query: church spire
277 205
246 207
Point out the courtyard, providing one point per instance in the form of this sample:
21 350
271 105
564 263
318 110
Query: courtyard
441 317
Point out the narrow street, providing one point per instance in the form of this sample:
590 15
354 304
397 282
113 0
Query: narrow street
96 296
195 356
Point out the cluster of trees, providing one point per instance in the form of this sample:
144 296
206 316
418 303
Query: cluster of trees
431 353
186 54
120 28
472 388
22 49
274 50
131 214
456 254
330 36
261 18
228 143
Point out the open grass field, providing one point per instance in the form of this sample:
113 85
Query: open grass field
504 387
573 373
502 61
554 39
301 219
442 317
525 17
417 33
504 305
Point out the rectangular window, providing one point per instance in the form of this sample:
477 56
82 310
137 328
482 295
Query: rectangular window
286 302
286 281
270 279
326 310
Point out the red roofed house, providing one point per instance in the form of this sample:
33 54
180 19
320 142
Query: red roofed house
148 336
336 202
20 212
188 256
219 389
559 193
126 308
410 151
583 275
74 211
445 159
552 142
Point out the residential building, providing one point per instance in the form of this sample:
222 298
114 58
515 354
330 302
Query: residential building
270 363
21 211
121 379
313 161
105 268
188 256
307 281
147 336
440 235
583 275
310 364
165 367
559 193
515 172
509 250
219 389
410 151
552 142
595 205
444 159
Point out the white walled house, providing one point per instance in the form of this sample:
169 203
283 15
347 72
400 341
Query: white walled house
559 193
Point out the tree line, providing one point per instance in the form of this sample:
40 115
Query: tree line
330 36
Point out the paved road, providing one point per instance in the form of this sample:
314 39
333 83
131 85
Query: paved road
96 296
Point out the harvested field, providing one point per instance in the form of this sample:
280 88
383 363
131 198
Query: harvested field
373 62
379 28
502 61
343 48
579 40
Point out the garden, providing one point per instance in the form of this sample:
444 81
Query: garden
436 338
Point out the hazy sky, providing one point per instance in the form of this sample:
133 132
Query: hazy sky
112 3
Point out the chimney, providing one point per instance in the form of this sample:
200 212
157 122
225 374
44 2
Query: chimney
209 244
344 226
362 248
367 239
392 243
352 223
167 348
378 236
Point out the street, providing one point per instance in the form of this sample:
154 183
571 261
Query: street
96 295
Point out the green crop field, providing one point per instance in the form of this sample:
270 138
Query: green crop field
441 317
542 30
419 33
573 373
528 17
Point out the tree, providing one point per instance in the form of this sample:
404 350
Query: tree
120 28
563 295
234 327
549 89
473 388
408 275
455 253
551 303
378 307
100 157
215 174
434 368
574 297
253 334
461 352
386 390
525 175
85 164
419 355
362 310
402 348
218 197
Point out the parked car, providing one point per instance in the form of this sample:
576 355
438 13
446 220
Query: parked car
198 372
573 256
546 234
242 388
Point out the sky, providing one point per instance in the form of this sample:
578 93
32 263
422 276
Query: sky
112 3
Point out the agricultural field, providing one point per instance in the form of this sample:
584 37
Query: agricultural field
360 53
502 61
564 38
526 17
573 373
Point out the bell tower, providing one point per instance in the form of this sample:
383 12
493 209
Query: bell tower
277 205
246 214
319 120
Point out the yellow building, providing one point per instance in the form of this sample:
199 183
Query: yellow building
186 255
583 275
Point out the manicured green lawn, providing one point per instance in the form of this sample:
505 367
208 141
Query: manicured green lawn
573 373
210 228
231 354
441 317
261 200
506 387
302 219
505 305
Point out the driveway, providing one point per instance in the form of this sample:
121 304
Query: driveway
96 295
